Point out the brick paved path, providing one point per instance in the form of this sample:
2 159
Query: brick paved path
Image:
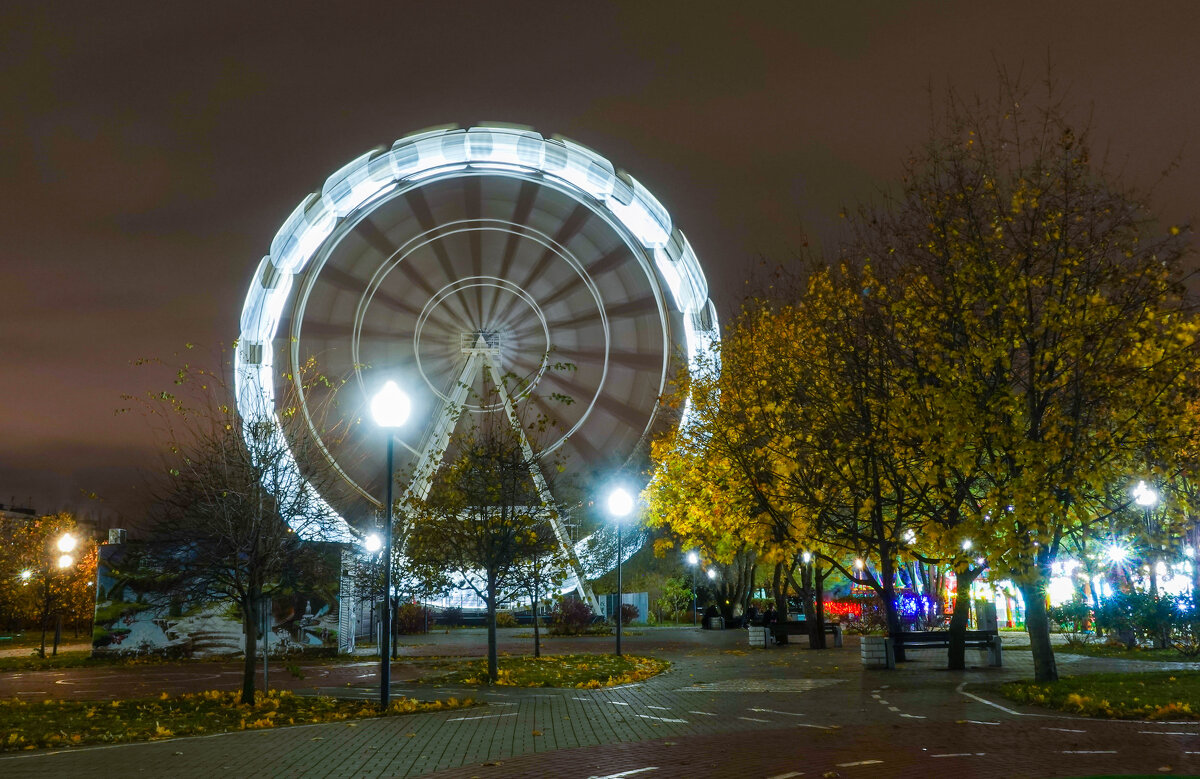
721 710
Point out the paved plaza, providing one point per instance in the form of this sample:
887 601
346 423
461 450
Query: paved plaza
723 710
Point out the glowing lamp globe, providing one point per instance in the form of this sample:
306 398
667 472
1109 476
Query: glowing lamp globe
620 503
372 543
66 543
693 558
1143 495
390 407
66 561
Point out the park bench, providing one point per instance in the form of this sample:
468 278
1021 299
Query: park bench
940 639
781 630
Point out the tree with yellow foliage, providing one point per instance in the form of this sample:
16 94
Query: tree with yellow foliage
1047 329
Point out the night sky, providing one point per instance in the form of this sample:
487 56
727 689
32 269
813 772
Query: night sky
149 151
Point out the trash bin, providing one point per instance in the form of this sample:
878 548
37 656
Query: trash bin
760 637
714 623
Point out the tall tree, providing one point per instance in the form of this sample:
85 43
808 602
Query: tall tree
1051 324
47 583
230 521
485 517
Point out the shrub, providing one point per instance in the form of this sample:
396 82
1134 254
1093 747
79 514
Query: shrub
570 617
1070 617
505 619
1135 614
629 613
872 620
411 618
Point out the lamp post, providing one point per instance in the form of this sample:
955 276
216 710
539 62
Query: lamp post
712 578
620 504
390 408
693 560
1147 498
66 545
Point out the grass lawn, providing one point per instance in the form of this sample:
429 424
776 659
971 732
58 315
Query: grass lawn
84 659
32 662
1168 695
1137 653
581 671
31 724
33 639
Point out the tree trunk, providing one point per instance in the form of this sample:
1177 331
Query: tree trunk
957 657
816 632
1037 624
493 660
250 631
394 605
749 591
817 639
779 591
537 637
887 592
45 609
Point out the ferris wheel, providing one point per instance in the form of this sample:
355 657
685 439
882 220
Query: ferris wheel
455 257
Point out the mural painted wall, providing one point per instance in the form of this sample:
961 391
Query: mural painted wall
135 615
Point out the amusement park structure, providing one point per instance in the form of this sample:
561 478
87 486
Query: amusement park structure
456 258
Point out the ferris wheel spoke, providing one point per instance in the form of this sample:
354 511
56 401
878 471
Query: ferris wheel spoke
370 232
420 208
520 216
473 197
530 369
607 263
402 363
624 412
566 231
348 282
341 330
526 196
579 443
639 306
643 360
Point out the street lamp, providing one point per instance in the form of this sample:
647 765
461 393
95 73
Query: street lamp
1146 497
66 543
390 408
693 560
620 504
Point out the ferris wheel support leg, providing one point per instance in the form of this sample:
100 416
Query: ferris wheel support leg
447 419
543 489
